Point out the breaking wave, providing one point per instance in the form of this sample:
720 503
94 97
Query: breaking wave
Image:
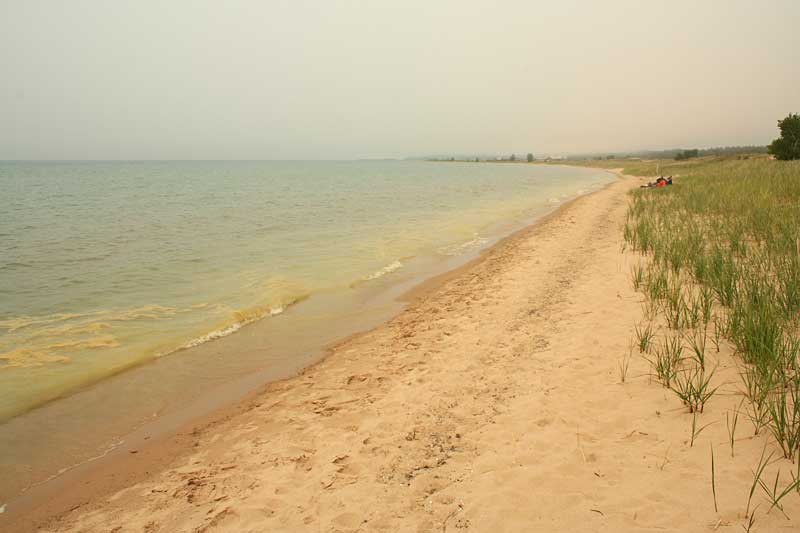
388 269
243 318
463 247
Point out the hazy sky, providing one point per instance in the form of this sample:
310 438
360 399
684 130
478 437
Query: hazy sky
334 79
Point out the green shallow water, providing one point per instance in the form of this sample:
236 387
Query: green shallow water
104 265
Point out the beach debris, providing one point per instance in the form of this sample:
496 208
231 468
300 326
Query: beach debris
2 508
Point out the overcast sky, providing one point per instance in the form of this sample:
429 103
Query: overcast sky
336 80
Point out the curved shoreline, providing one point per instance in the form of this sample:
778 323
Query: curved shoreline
152 448
85 366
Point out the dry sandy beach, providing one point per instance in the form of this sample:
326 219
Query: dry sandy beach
493 403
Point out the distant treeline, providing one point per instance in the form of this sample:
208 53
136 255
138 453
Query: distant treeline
673 153
677 153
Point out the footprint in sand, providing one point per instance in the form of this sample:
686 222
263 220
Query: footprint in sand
348 521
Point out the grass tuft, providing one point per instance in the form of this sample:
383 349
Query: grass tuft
693 387
644 337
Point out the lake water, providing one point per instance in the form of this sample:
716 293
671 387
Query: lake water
106 265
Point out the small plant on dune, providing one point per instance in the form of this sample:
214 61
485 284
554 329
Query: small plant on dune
627 233
667 360
644 337
706 304
656 285
730 423
751 521
693 387
713 480
692 312
774 496
697 342
783 410
696 430
723 276
673 346
757 386
717 333
758 415
625 363
649 309
757 473
676 308
638 276
796 478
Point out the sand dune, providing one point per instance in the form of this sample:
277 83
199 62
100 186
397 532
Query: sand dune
493 403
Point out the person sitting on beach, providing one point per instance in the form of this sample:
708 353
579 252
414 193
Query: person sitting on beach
651 183
660 182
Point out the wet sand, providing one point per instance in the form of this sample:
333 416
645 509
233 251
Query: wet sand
492 403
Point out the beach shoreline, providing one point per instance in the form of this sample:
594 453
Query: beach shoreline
208 272
154 445
507 396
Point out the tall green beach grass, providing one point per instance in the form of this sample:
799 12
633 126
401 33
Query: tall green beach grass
723 245
720 261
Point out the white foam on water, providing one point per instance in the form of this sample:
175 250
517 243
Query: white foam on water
458 249
233 328
388 269
216 334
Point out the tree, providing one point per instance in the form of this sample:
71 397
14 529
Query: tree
530 158
687 154
512 158
787 146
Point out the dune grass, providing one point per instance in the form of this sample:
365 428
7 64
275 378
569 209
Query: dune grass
722 249
721 263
